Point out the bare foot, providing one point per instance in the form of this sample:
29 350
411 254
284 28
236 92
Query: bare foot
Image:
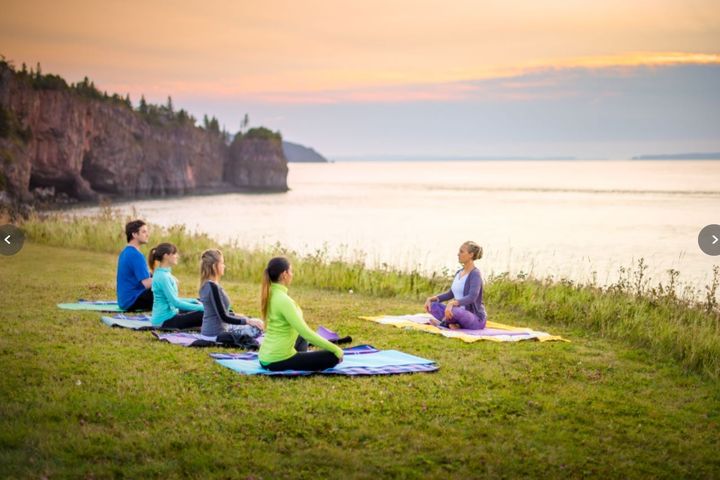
434 322
454 326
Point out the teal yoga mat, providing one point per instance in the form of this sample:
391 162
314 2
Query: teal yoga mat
91 306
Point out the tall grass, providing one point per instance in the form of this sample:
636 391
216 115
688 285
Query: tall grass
105 233
656 318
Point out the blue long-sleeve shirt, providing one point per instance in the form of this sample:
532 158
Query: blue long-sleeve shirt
166 302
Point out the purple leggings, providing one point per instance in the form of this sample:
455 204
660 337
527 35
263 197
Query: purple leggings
460 315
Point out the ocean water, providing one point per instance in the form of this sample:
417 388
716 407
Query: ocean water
581 220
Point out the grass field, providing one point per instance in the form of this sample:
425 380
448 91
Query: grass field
81 400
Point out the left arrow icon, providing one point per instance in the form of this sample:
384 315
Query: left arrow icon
11 239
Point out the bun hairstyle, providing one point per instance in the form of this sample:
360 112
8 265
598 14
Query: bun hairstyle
475 249
208 264
275 268
157 253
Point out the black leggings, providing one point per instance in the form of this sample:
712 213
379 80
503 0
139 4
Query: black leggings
308 361
184 320
143 303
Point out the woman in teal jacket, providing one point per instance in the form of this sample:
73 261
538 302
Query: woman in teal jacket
169 310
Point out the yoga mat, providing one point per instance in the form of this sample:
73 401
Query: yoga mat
494 332
134 322
91 306
197 340
357 361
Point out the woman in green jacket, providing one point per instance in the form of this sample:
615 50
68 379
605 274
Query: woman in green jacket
284 322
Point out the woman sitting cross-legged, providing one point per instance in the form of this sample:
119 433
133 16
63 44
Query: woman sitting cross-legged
169 310
465 307
285 323
218 323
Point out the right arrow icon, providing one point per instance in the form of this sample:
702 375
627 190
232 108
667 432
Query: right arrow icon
709 240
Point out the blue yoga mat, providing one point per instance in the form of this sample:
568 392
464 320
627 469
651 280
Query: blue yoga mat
133 322
380 362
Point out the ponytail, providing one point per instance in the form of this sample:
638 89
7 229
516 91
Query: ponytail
264 294
209 261
157 253
151 259
276 266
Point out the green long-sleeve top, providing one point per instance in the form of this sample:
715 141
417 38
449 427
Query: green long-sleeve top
284 322
166 302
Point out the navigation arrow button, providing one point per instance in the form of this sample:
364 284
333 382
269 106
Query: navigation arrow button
709 240
8 232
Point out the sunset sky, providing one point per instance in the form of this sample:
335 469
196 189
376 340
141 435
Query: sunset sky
604 79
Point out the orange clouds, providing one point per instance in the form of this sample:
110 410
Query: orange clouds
317 51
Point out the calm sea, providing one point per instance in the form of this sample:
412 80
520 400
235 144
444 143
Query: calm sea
575 219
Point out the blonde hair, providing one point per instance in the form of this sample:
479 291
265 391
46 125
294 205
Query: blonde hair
474 248
209 261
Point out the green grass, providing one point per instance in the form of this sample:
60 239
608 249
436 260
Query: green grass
666 324
81 400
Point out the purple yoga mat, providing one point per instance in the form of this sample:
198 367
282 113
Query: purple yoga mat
485 332
188 339
327 334
356 350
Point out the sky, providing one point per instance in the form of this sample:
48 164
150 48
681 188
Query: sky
358 79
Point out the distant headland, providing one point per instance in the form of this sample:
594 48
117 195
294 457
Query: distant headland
681 156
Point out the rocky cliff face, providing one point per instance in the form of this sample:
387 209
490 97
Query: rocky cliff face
257 163
60 141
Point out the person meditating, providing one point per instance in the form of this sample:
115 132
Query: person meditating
169 310
134 282
465 307
218 322
284 322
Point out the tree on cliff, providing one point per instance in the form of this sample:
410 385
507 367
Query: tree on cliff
143 107
211 125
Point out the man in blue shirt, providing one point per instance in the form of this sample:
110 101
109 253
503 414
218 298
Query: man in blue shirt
133 276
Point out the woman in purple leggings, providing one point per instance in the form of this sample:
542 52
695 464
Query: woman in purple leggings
465 307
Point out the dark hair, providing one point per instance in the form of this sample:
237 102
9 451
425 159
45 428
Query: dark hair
133 227
276 266
157 253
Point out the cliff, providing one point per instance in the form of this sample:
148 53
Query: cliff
59 142
298 153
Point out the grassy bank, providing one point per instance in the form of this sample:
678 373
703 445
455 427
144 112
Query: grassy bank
81 400
654 318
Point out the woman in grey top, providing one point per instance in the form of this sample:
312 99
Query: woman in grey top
465 307
217 316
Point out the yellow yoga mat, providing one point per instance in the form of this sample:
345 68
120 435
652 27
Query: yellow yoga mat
494 332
